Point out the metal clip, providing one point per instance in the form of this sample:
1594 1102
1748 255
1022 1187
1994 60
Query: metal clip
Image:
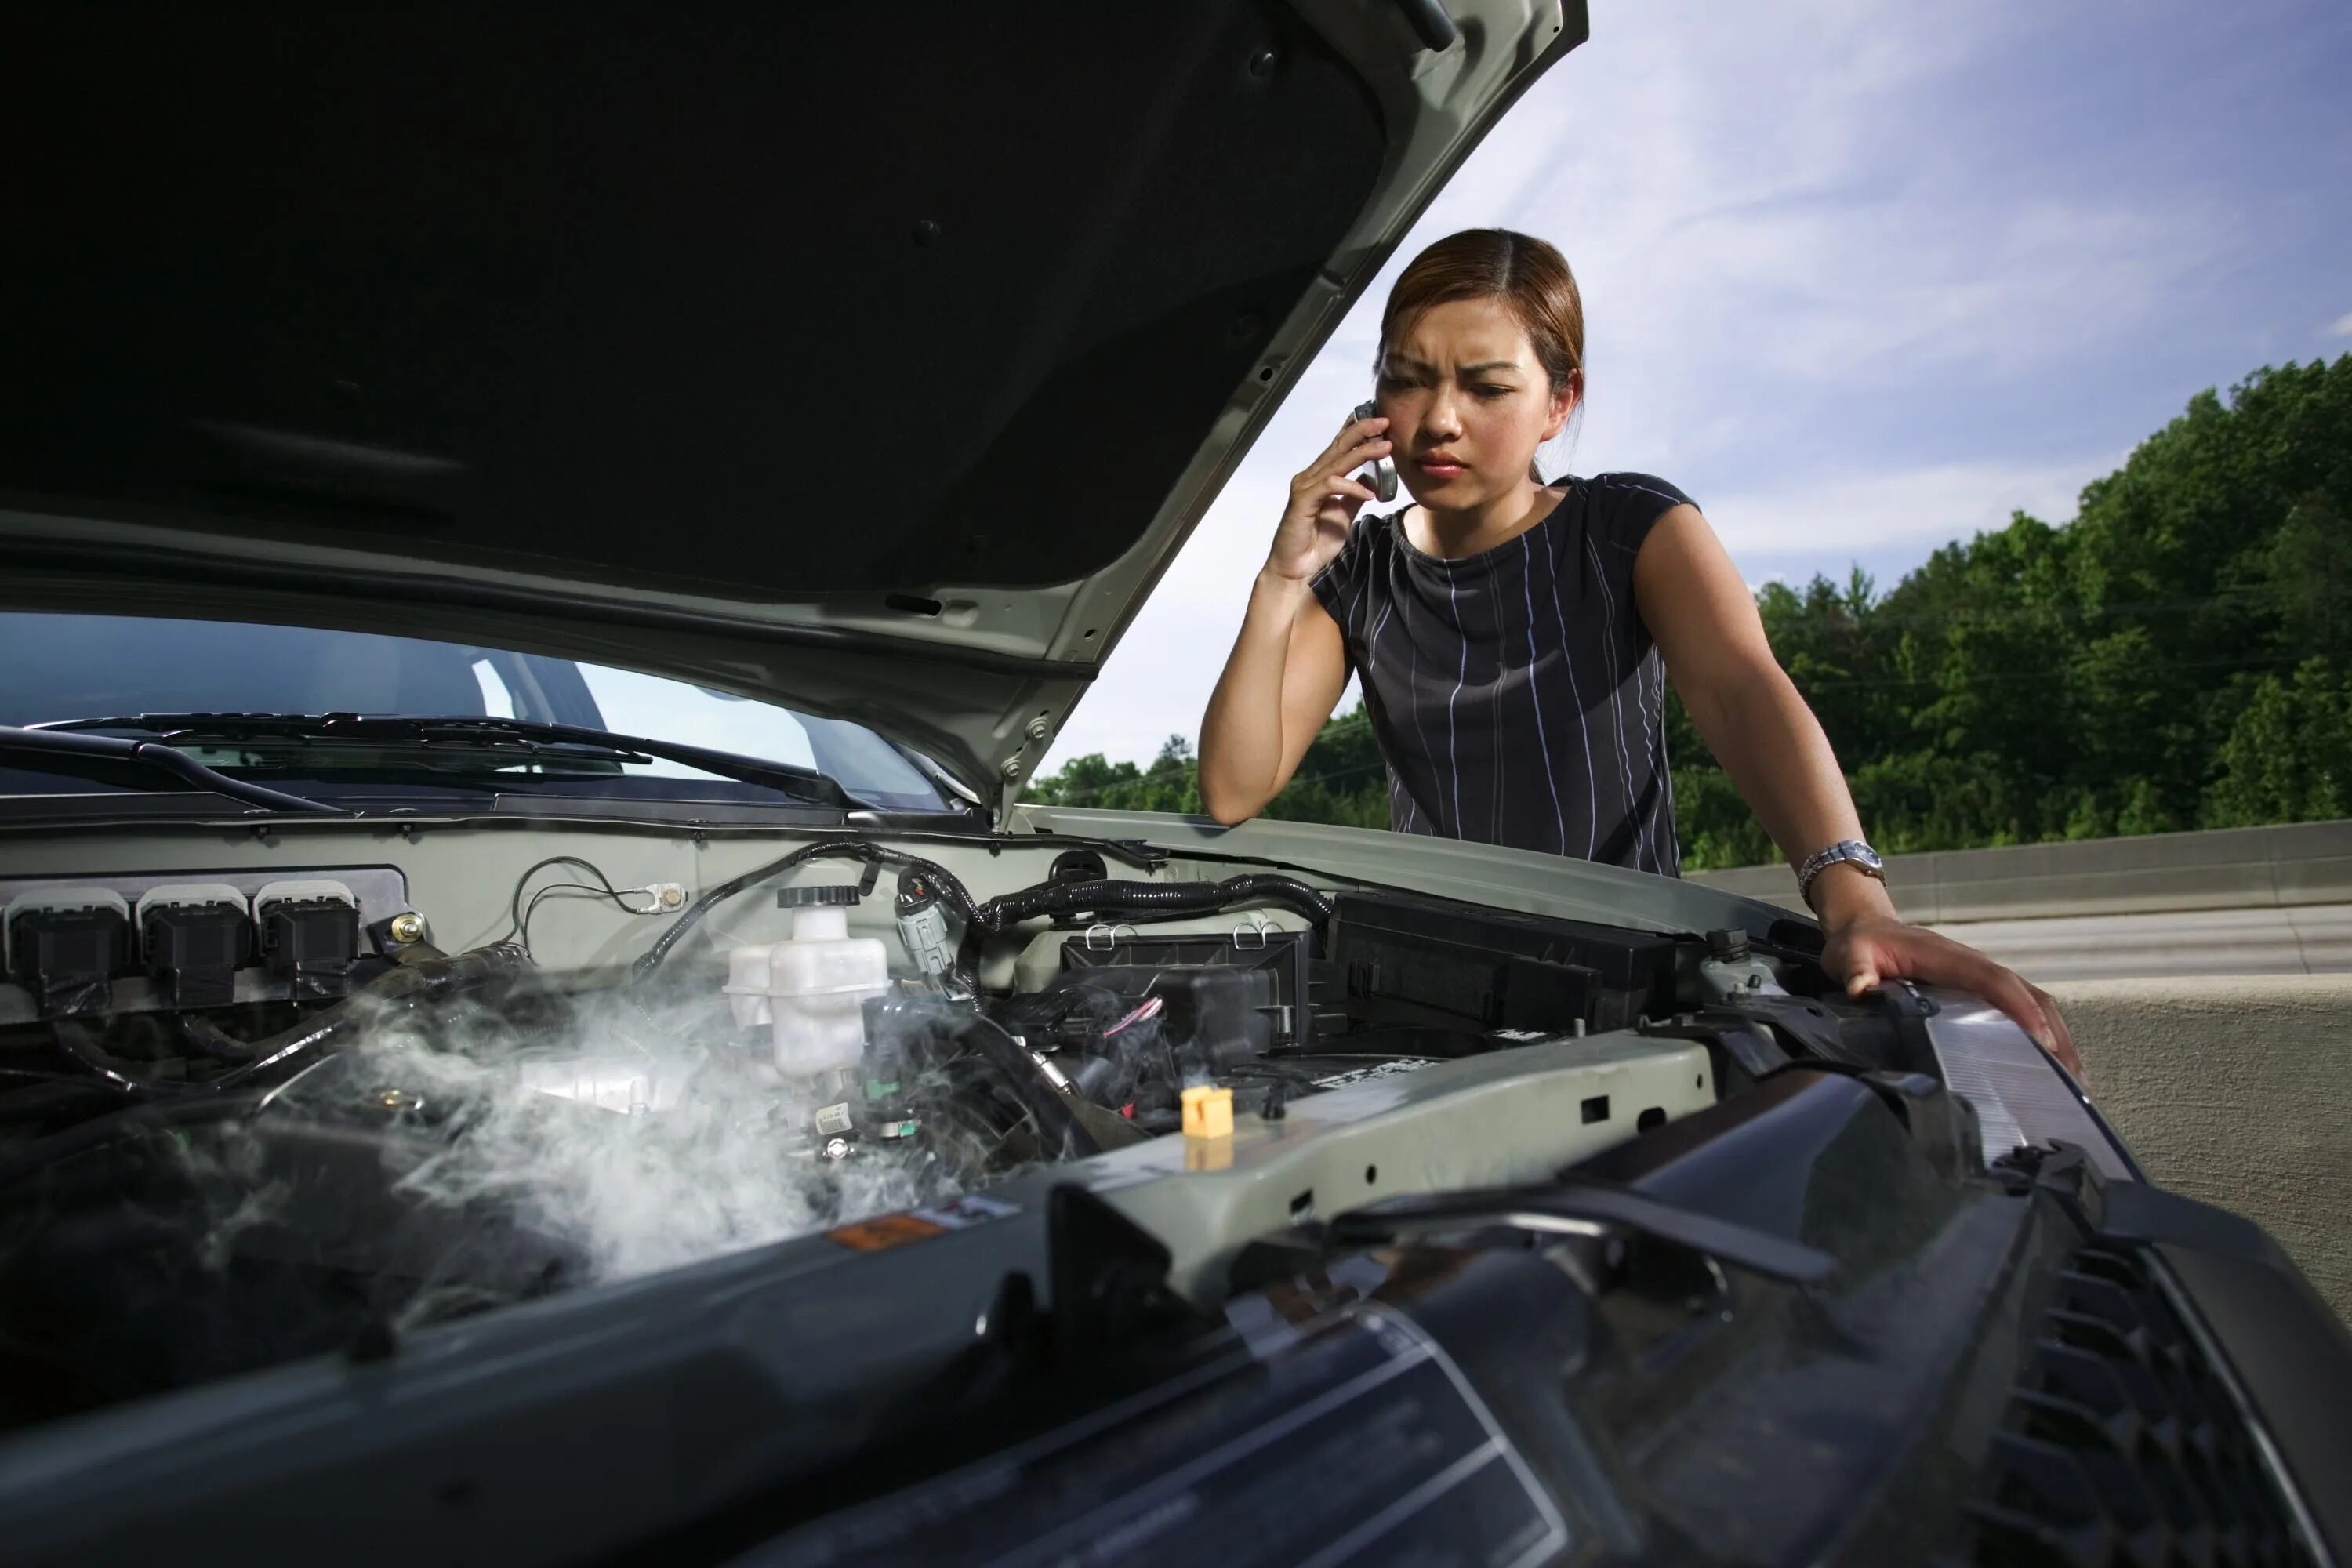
1109 933
1258 924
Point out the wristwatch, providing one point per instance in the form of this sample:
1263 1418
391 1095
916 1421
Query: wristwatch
1852 851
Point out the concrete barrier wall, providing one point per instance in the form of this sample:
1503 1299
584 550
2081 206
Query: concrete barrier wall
2303 939
2243 901
2237 1091
2233 868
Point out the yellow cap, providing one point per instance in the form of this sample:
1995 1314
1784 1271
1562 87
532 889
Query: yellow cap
1208 1112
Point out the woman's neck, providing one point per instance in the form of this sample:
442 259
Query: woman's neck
1450 534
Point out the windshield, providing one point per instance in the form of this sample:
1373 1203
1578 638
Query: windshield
62 668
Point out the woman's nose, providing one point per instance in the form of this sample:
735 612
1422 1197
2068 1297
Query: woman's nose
1442 420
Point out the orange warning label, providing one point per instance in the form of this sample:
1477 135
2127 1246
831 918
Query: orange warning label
884 1232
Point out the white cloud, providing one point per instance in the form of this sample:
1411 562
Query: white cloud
2341 327
1834 517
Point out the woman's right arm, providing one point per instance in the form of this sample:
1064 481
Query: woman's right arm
1289 664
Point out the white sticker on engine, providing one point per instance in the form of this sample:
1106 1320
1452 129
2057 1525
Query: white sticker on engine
1397 1067
972 1208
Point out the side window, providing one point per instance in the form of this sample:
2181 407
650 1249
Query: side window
496 700
637 704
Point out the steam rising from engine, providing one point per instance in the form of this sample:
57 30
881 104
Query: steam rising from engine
617 1132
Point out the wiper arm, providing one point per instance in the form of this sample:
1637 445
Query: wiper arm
529 735
1582 1208
47 750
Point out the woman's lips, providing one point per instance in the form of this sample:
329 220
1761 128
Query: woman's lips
1439 467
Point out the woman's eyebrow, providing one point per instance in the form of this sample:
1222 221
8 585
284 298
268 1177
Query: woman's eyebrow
1406 361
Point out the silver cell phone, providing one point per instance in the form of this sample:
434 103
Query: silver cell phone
1384 474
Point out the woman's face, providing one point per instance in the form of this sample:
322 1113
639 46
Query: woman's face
1467 402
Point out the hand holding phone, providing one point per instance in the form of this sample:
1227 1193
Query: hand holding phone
1326 494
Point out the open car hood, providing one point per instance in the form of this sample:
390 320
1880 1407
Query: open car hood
873 358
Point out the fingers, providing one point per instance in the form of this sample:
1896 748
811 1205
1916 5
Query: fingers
1864 976
2035 1012
1357 436
1315 484
1892 952
1910 953
2060 1041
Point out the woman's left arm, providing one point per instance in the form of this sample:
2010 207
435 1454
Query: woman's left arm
1749 712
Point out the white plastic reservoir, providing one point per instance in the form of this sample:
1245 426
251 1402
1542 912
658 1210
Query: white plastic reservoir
811 986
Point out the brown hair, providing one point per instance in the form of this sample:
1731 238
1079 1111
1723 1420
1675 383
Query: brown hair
1531 276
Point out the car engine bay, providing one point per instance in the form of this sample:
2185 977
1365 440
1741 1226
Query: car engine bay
248 1115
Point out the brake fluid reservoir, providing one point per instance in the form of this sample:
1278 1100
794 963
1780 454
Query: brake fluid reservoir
816 982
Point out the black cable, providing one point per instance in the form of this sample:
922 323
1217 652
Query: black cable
950 886
531 908
61 1093
1157 897
1049 1107
69 1040
30 1159
519 918
854 848
423 979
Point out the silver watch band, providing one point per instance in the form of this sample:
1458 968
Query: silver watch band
1852 851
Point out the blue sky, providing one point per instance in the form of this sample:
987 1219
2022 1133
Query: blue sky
1862 276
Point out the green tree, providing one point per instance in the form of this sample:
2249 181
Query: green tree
2288 756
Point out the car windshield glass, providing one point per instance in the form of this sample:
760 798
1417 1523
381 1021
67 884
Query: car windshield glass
57 667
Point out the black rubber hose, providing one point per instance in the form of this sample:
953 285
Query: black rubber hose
45 1100
425 979
30 1159
1055 1117
1155 898
949 888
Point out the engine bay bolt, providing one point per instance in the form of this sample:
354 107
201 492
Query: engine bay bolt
1011 768
1039 728
406 927
836 1148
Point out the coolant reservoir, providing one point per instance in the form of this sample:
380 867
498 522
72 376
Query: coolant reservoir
811 987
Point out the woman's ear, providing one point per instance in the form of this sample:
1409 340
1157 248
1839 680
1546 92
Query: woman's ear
1563 404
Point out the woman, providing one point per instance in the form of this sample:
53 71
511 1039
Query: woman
1514 638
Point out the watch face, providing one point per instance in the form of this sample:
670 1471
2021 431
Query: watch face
1866 857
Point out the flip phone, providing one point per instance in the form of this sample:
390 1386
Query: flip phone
1384 474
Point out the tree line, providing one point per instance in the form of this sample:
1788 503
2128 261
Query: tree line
2179 655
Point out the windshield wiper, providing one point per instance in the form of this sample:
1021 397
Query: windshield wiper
45 750
525 737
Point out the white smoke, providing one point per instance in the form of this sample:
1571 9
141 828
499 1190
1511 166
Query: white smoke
667 1141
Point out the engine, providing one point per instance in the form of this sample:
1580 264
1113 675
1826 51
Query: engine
245 1119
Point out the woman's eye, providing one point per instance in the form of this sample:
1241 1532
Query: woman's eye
1491 392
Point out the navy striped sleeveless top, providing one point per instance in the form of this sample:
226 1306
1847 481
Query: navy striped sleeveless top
1516 694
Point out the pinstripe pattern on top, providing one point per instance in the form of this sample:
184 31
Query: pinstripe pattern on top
1516 696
